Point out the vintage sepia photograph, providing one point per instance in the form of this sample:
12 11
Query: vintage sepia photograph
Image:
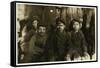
55 33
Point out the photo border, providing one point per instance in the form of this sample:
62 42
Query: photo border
13 33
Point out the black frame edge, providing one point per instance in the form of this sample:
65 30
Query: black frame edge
55 3
13 34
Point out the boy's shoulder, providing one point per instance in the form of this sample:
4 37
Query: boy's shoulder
68 33
80 31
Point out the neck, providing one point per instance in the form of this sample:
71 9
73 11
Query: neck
61 31
76 31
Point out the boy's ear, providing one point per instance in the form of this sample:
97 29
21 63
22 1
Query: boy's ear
80 25
65 26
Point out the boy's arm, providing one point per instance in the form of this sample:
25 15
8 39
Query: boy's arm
68 40
84 44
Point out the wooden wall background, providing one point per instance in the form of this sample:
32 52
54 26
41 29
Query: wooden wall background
48 14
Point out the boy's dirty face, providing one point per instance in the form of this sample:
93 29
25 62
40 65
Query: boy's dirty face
34 23
87 25
76 26
42 30
60 26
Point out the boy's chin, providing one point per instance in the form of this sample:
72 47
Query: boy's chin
61 30
76 29
42 34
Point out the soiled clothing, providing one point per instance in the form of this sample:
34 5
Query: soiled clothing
78 44
25 44
62 41
90 38
57 46
38 44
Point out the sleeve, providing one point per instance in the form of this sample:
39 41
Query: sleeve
84 44
68 41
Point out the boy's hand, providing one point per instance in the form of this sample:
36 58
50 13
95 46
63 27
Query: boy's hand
22 56
86 56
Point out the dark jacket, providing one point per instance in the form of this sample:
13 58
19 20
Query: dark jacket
38 48
78 42
57 45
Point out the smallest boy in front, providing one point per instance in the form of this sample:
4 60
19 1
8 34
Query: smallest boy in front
77 48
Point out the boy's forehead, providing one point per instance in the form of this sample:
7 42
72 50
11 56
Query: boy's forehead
76 22
42 27
35 20
60 23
